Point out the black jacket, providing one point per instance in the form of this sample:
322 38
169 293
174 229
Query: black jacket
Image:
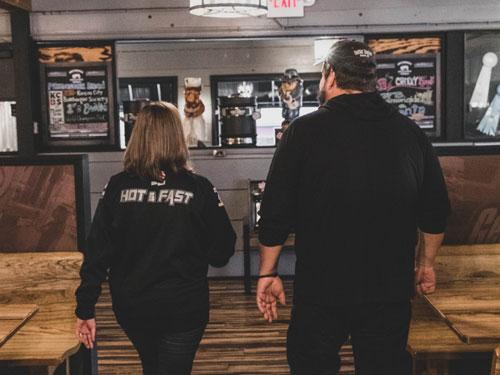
355 179
155 242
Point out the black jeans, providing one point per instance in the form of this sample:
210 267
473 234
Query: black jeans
164 353
379 334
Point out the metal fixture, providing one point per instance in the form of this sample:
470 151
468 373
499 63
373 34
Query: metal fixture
228 8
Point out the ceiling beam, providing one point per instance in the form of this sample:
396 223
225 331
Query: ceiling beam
16 4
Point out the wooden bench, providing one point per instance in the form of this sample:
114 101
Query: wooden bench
47 340
445 333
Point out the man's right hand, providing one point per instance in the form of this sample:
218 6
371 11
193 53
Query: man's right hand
269 290
425 279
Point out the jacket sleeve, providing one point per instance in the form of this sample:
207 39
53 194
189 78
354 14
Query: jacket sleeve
278 208
434 205
222 237
97 257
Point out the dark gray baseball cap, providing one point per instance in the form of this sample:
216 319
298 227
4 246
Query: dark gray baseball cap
354 65
351 55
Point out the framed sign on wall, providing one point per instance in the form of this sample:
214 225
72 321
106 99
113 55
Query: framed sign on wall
473 179
409 77
77 98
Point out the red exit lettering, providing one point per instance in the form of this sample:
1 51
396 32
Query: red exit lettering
284 4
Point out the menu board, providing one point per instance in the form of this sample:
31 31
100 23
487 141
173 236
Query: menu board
411 82
78 100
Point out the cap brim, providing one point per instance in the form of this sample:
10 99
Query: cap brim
321 61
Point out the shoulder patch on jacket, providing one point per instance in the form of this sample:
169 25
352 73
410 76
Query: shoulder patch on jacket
220 203
104 190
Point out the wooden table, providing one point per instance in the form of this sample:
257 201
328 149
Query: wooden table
468 292
12 318
48 280
436 349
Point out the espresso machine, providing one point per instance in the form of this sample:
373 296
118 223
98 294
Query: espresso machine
238 117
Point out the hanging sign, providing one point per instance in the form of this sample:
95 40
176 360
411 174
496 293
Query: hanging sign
285 8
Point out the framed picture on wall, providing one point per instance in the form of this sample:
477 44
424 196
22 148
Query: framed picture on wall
482 86
473 179
77 97
44 203
409 77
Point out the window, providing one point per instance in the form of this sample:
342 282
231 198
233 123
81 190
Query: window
265 88
8 130
149 88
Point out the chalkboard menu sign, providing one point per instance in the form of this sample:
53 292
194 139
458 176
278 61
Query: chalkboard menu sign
412 84
77 101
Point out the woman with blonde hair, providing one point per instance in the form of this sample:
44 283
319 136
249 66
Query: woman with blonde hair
155 231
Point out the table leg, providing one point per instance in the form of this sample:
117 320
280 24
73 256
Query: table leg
431 367
247 271
62 369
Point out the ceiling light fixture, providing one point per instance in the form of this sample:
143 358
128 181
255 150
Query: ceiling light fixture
228 8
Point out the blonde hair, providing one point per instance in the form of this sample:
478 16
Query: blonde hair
157 142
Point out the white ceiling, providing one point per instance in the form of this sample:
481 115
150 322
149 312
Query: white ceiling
321 5
165 19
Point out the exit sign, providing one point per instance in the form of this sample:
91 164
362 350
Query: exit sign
285 8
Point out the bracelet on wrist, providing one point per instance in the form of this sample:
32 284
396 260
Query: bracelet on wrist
274 274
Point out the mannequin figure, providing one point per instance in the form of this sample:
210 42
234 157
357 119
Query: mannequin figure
291 92
193 122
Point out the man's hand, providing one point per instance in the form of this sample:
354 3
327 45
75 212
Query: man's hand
85 332
425 279
269 290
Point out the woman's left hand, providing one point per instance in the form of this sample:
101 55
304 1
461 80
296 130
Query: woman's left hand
85 332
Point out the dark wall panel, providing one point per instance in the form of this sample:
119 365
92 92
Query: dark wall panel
7 91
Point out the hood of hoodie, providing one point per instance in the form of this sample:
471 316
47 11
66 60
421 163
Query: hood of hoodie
364 106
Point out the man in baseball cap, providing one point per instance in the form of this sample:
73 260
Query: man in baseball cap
354 67
356 180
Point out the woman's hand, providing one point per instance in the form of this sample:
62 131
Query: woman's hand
85 332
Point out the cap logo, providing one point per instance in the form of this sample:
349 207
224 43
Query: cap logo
362 53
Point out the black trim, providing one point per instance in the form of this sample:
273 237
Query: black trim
23 83
454 86
82 185
6 51
473 149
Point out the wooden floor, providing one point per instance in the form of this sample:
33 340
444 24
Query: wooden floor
237 340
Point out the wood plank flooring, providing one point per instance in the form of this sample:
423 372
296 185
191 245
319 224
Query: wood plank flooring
237 340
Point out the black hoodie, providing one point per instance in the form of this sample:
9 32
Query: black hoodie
155 241
354 179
